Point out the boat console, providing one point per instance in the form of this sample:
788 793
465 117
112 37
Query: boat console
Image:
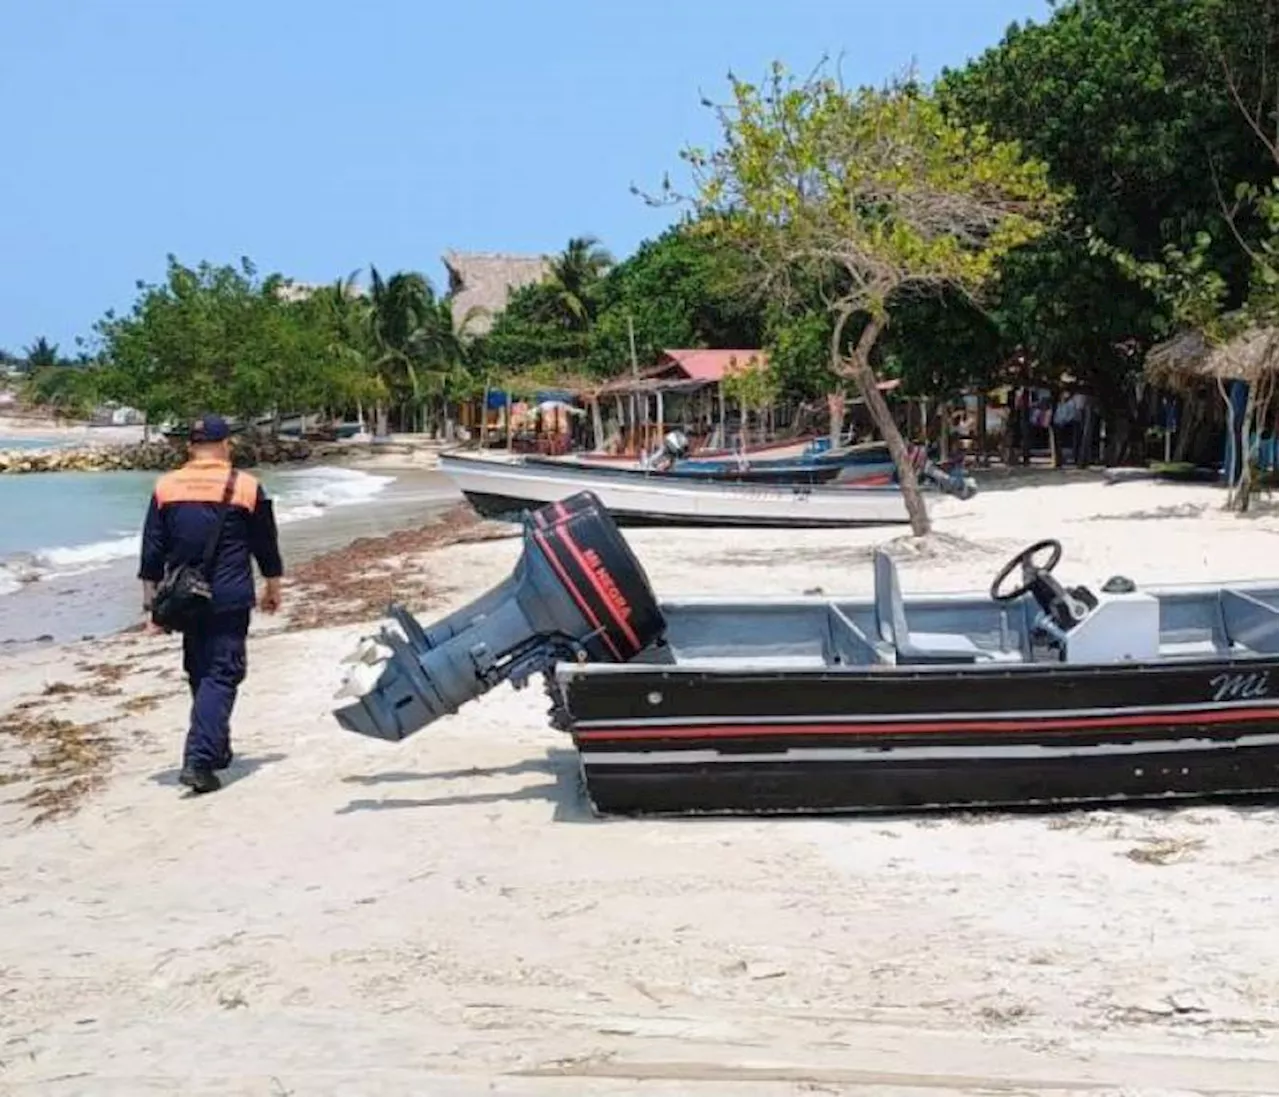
1070 625
1120 624
1041 620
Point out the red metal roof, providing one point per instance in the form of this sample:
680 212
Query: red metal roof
711 365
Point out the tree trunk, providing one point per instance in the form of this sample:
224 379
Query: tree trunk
1188 425
980 429
859 369
835 411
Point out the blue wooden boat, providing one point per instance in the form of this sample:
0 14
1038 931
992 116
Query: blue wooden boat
867 464
864 457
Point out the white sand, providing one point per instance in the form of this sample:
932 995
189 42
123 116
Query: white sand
443 917
67 433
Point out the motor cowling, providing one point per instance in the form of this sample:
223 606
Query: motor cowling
675 445
577 592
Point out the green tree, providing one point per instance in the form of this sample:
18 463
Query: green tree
338 316
752 385
878 185
41 355
72 390
222 338
683 289
1197 278
526 334
1147 112
572 279
423 358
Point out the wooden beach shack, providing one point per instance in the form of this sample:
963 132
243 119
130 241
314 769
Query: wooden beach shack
1242 371
684 389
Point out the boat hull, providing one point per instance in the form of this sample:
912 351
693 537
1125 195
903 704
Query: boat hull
1035 737
498 489
507 508
719 472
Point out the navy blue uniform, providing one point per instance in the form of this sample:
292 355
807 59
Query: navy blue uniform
180 520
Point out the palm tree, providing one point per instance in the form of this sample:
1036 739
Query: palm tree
41 355
572 276
448 353
401 308
347 314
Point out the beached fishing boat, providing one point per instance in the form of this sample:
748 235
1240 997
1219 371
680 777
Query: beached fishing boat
506 489
727 472
779 450
1030 694
867 463
876 469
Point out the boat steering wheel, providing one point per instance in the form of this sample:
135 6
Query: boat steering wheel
1035 577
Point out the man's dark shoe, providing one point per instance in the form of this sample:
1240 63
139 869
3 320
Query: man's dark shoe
225 761
199 779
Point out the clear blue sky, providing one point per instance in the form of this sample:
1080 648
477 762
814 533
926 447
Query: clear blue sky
319 137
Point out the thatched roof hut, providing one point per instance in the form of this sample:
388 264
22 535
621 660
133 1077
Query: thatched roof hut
480 284
1189 358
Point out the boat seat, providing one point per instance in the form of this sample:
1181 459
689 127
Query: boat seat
920 647
1249 622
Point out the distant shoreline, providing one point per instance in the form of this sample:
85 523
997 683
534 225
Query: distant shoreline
85 448
63 431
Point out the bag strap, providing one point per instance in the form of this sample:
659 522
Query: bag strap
211 546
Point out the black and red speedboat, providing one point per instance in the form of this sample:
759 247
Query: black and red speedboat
1032 694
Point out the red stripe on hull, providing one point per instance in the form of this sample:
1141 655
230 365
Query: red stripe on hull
1010 725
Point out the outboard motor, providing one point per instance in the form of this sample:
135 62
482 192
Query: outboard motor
951 481
675 447
577 592
954 482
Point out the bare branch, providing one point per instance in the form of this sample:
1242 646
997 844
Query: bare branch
1229 215
1253 118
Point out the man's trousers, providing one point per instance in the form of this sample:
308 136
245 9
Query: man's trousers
213 655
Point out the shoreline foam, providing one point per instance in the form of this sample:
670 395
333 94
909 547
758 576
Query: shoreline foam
302 494
101 598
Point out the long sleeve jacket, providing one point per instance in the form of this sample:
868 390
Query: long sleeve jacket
181 518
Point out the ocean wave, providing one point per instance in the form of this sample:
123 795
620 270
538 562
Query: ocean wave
308 493
298 495
94 554
10 581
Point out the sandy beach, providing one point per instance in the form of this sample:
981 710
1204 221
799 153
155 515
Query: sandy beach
64 433
444 916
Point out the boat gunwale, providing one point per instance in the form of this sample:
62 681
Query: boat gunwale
566 672
574 476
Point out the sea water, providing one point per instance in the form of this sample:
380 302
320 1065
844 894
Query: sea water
69 540
58 523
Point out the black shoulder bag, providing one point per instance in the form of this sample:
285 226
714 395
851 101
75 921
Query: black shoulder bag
185 593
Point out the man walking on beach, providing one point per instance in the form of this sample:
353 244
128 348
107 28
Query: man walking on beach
210 516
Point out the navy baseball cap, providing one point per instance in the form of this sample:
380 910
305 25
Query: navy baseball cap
210 428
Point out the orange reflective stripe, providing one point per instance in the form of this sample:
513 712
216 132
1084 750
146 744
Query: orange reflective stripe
201 482
246 493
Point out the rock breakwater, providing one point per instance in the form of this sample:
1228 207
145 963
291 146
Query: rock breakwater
155 456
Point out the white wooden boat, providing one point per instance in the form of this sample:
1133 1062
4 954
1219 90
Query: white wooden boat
503 489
